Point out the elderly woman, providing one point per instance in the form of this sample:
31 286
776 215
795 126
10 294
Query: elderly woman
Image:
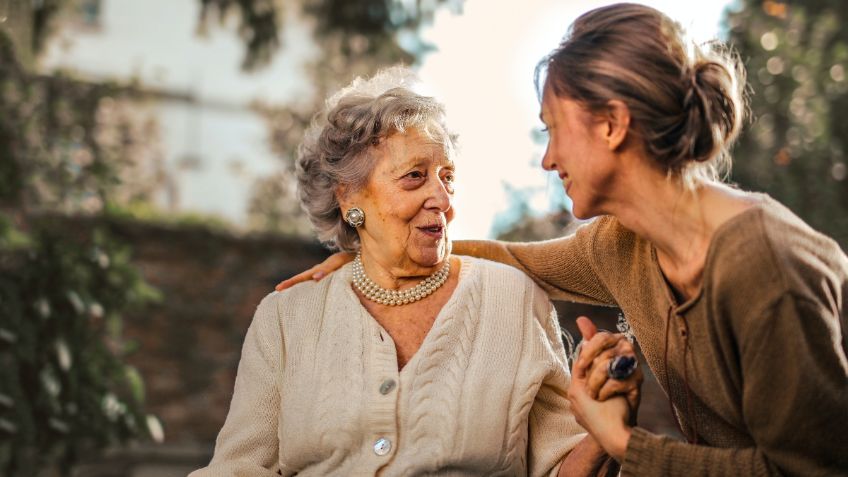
407 361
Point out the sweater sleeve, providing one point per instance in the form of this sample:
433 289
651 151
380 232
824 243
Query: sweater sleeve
248 444
794 402
553 429
563 267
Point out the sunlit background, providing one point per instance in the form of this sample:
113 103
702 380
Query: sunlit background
215 146
483 70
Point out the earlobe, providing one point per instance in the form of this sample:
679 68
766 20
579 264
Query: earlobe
341 197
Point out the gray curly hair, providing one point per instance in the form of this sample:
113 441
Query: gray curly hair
337 148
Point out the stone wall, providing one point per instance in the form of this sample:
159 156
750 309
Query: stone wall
190 343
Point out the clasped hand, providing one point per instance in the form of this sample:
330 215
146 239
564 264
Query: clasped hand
604 406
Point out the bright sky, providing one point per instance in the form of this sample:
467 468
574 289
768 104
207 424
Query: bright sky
483 72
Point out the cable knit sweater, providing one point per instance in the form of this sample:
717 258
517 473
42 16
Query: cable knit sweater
318 390
761 348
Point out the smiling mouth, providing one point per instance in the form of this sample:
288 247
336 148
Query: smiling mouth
433 230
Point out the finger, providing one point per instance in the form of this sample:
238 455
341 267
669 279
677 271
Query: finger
338 259
595 346
623 362
328 266
300 277
598 374
613 388
331 264
634 381
586 327
629 388
578 374
633 398
602 341
575 397
625 346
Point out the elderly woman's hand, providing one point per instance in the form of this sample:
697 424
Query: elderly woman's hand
331 264
602 405
597 350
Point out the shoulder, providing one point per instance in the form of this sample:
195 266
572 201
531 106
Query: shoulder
304 291
792 241
619 255
606 230
769 238
767 251
304 301
508 284
494 276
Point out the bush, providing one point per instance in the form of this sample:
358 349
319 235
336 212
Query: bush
64 387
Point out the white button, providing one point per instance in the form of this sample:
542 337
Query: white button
382 446
387 386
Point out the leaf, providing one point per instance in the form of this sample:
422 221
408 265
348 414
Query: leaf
135 383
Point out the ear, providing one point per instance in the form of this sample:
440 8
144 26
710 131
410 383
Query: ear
618 123
343 197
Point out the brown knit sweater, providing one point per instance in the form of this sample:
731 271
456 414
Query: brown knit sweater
762 346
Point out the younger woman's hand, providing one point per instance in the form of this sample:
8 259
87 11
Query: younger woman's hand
606 421
328 266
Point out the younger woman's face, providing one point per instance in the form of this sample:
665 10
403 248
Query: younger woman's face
408 203
579 153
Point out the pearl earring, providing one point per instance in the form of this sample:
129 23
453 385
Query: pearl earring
354 217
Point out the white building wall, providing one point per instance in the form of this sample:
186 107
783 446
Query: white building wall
214 147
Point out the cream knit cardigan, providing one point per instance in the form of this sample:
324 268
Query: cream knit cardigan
318 391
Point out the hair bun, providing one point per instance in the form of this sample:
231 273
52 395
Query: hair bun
711 109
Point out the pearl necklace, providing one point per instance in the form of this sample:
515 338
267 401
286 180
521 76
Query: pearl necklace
384 296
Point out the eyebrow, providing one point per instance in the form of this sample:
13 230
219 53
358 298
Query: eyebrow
416 161
413 161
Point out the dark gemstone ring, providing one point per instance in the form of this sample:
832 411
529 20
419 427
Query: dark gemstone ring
622 367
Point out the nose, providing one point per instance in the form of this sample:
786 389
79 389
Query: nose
439 197
548 163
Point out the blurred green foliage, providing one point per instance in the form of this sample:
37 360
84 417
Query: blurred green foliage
796 55
64 387
370 28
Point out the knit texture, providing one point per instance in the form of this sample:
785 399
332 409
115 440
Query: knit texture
484 395
762 346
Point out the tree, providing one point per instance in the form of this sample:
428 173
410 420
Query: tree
796 53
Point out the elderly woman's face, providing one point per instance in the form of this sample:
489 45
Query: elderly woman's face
408 202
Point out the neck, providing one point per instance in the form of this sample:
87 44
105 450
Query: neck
395 275
670 216
678 221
